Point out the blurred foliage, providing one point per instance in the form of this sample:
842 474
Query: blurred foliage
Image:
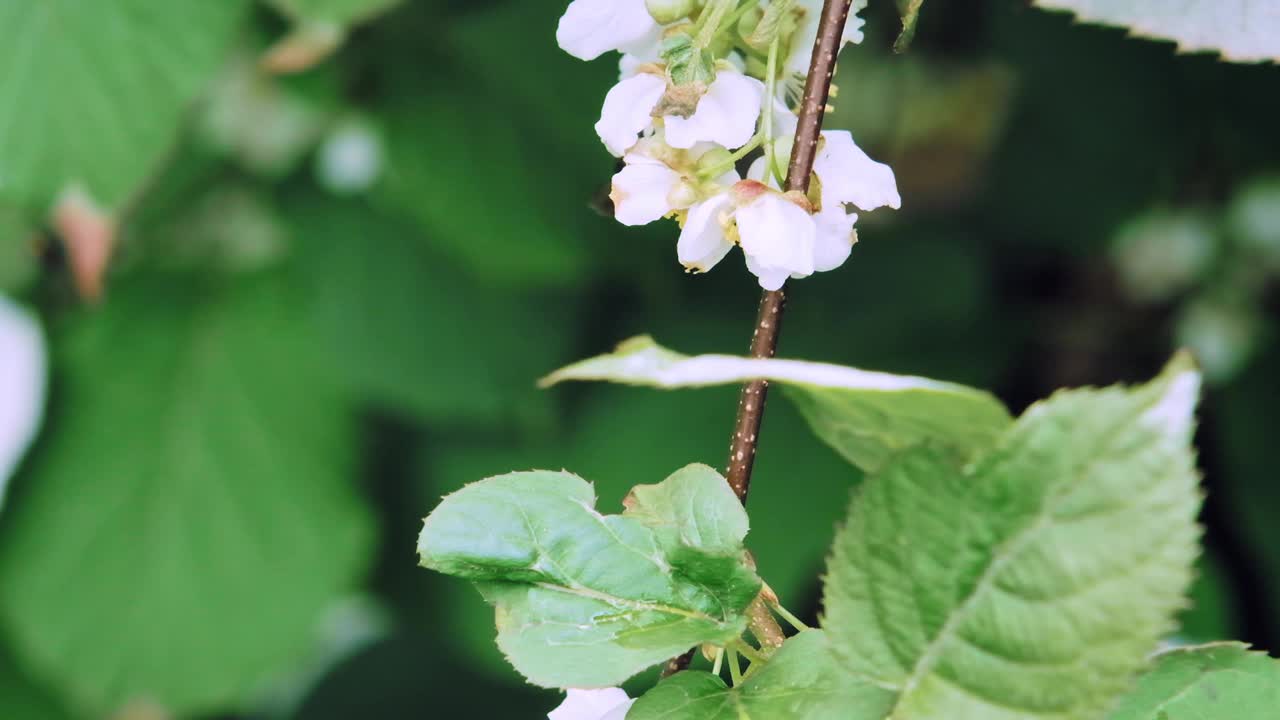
332 292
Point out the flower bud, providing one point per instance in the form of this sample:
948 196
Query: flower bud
716 159
749 21
669 11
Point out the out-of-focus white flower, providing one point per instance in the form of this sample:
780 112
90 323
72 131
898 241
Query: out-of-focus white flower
658 180
725 115
591 28
606 704
849 177
350 159
22 383
806 34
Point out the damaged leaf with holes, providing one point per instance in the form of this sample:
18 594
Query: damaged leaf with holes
588 600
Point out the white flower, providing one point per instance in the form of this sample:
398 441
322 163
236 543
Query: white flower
726 114
607 704
806 34
778 237
704 241
22 382
835 238
591 28
628 111
848 176
658 179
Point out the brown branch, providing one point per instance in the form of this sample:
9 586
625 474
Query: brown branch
764 342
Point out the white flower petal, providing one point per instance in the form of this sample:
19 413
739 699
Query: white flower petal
590 704
757 172
22 385
834 240
590 28
807 33
628 110
619 712
703 242
642 190
770 278
725 115
777 234
849 176
784 121
629 66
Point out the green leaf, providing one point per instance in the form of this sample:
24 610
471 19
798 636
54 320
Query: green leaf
661 431
1222 680
587 600
1240 30
694 507
688 64
22 699
190 516
410 331
479 189
910 10
337 12
93 93
19 264
865 416
803 680
1031 583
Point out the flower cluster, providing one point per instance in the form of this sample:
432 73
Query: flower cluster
703 85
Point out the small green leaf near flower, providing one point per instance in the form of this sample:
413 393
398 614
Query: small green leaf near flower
588 600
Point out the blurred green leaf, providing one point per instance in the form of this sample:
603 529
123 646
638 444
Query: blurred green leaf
1209 681
803 680
18 262
411 331
339 12
1031 583
1246 486
21 699
865 416
94 93
481 188
1212 598
587 600
910 10
1240 30
193 496
518 71
407 678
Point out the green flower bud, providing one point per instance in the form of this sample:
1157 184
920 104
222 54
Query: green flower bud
749 21
669 11
716 159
